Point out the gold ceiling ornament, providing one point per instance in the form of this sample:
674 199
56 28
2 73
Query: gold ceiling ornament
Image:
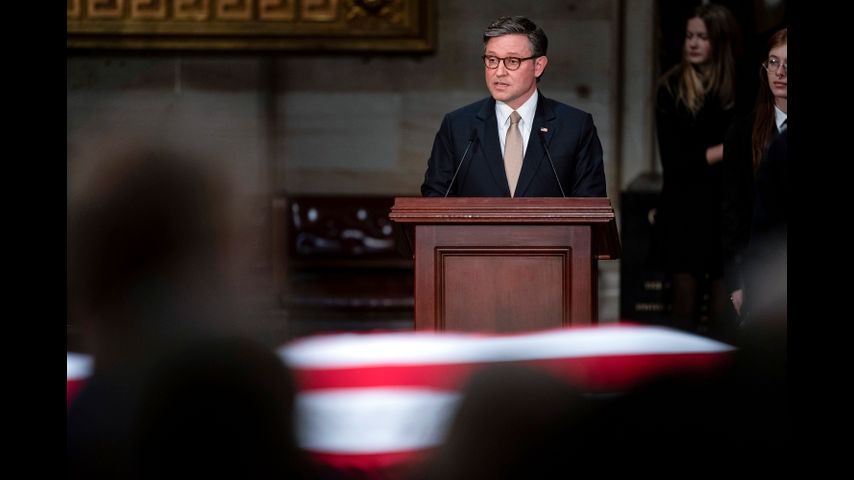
392 11
305 25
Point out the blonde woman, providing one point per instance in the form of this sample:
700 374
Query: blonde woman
694 107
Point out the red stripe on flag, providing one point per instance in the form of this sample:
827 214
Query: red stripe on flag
374 465
600 373
72 388
620 372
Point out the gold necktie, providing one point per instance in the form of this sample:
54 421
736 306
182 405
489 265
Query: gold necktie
513 152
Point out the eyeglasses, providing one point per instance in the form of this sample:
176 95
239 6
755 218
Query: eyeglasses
774 64
510 63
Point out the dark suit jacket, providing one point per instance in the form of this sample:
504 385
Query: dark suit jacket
738 196
764 263
737 200
771 200
571 139
689 210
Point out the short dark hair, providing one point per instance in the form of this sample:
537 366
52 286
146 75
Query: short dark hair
514 25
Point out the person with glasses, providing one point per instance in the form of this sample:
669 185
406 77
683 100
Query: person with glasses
744 151
694 107
500 146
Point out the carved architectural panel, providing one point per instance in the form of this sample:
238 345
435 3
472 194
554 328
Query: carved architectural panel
105 8
273 10
74 8
319 10
191 9
148 9
343 25
234 9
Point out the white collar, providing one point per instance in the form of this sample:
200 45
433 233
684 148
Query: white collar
526 111
779 117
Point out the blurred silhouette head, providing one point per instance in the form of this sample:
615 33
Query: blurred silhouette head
220 408
147 248
514 422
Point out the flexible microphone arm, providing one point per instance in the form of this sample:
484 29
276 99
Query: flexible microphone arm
462 159
549 155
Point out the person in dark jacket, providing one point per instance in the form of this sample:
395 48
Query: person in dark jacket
694 107
745 150
500 146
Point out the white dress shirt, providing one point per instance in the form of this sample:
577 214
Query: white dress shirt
779 117
526 111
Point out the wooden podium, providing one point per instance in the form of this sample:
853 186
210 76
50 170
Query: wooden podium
506 264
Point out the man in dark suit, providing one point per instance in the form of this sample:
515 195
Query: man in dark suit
499 146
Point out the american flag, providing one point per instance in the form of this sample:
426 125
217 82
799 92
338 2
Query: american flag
373 401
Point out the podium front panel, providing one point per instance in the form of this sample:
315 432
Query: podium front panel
503 278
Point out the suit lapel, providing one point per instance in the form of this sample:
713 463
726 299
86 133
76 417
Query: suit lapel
487 133
534 153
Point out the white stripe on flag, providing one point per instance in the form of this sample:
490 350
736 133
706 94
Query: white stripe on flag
406 348
373 420
78 366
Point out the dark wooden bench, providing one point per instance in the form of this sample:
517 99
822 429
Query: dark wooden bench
337 266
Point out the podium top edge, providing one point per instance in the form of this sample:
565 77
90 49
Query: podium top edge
529 209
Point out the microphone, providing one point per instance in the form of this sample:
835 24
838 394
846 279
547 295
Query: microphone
462 159
549 156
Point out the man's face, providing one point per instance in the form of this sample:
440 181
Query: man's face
513 87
